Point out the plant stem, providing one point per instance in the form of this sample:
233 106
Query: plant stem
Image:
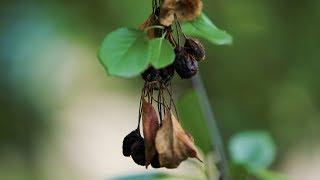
215 136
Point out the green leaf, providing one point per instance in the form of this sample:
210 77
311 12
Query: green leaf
240 172
162 53
125 52
203 27
253 149
270 175
193 120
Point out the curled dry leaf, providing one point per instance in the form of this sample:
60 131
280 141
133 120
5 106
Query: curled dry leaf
167 12
149 22
186 10
150 128
173 144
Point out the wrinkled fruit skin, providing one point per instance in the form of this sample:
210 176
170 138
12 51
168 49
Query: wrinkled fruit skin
195 48
166 74
163 75
150 75
138 153
128 142
185 64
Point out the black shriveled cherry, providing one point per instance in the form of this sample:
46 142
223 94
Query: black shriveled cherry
129 140
166 74
155 163
138 153
185 64
150 75
195 48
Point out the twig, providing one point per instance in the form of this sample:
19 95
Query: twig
212 124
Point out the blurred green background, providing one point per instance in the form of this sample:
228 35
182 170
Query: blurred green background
61 117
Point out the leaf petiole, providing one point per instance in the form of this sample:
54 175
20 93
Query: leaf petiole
153 27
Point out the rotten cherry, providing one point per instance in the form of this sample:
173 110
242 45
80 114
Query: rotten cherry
185 64
138 153
129 140
155 163
195 48
150 75
166 74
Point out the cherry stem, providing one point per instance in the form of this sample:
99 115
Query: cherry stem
172 101
177 29
180 28
171 39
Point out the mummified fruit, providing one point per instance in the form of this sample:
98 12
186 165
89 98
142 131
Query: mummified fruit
138 153
163 75
129 140
185 64
155 163
166 74
150 75
195 48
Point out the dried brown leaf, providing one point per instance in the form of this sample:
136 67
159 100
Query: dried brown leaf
186 10
149 22
173 144
150 128
167 12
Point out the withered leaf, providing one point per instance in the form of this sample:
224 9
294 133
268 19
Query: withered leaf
186 10
149 22
150 128
173 144
167 12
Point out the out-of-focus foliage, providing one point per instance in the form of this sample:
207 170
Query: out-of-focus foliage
144 176
190 111
254 149
252 152
268 79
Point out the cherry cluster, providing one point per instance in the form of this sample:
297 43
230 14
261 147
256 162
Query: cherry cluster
188 53
133 145
185 63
